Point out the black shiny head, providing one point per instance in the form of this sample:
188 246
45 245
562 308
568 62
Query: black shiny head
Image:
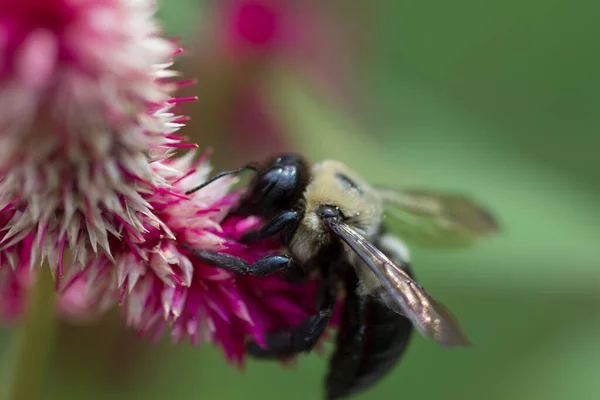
278 185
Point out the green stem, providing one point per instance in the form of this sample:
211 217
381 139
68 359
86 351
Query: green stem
34 342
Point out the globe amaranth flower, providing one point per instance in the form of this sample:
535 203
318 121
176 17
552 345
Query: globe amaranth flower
85 91
162 285
88 182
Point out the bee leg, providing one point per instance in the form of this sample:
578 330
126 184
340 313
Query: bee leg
302 338
264 266
285 224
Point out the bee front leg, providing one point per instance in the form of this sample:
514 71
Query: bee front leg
302 338
264 266
285 224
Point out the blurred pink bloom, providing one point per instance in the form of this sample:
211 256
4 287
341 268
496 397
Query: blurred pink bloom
252 25
250 38
161 284
302 33
85 88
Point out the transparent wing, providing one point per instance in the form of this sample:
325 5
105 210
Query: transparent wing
402 293
436 219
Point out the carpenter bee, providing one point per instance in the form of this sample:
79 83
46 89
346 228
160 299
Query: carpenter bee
331 222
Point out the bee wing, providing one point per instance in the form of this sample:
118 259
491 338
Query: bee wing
437 219
402 293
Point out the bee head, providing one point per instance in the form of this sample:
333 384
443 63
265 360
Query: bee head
335 191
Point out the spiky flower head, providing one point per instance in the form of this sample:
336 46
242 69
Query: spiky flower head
85 88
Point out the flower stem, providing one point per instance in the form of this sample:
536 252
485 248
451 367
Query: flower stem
34 342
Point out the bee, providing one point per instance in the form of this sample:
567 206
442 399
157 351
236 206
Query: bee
331 222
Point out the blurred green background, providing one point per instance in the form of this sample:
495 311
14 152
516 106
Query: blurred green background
496 99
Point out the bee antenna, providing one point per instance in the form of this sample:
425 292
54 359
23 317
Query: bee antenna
220 175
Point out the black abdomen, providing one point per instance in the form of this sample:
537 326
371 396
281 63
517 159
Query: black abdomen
370 341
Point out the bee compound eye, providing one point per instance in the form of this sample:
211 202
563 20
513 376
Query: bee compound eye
328 212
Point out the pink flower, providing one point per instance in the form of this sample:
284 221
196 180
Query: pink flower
85 88
160 283
247 41
306 34
252 25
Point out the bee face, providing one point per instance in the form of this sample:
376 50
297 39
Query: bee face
336 188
